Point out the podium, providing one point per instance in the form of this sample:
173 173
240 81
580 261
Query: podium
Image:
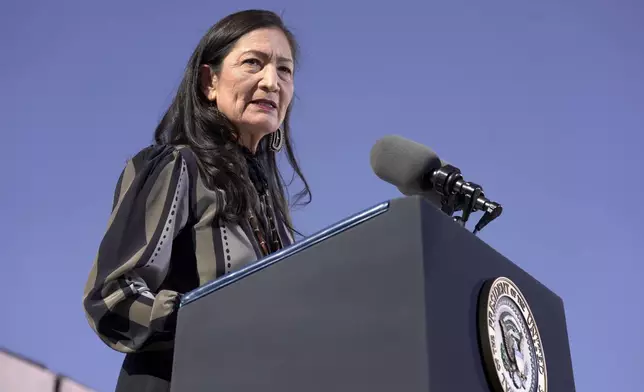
396 298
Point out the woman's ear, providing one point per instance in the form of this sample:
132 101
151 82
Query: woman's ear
208 81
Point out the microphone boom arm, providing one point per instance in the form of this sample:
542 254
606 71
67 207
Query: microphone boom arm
458 194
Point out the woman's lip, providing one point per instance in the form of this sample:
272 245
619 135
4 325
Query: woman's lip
264 106
267 102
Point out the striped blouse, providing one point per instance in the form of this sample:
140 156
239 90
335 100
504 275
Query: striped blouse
164 238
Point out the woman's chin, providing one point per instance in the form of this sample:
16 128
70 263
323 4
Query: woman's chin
259 128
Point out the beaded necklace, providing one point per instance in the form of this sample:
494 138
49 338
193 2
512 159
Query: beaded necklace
262 222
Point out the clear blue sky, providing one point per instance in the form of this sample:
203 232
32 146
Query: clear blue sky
542 102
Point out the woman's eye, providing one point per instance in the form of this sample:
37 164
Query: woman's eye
253 62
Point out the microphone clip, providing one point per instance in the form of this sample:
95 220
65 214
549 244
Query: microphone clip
459 195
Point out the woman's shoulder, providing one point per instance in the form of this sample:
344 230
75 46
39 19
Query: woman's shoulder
154 153
161 155
158 163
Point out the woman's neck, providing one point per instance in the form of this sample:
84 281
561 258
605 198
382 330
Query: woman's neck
250 141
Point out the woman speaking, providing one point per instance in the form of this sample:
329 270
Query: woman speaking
206 199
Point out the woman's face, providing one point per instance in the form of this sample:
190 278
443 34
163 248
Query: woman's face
254 86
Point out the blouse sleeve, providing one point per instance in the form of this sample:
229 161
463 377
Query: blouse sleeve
122 299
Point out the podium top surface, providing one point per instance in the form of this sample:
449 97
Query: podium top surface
328 232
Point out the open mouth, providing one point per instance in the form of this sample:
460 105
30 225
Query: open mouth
265 103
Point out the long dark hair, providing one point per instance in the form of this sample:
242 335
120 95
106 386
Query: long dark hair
193 120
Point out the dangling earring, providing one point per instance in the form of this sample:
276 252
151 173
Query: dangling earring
276 141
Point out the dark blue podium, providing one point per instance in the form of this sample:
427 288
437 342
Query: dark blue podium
396 298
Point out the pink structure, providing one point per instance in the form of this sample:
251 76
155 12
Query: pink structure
19 374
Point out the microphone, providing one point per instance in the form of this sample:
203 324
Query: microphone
417 170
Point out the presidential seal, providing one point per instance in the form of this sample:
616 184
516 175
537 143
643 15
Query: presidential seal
510 342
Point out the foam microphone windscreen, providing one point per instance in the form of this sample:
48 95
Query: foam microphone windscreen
403 162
